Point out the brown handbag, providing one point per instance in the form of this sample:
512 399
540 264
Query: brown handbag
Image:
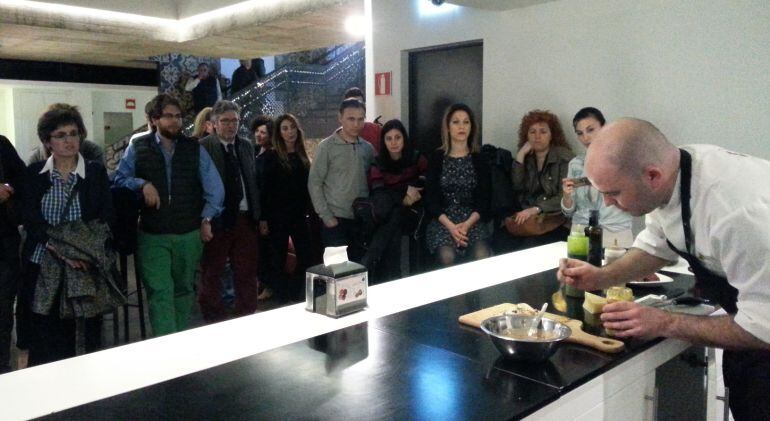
538 225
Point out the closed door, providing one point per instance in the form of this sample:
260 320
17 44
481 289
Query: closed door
438 78
117 126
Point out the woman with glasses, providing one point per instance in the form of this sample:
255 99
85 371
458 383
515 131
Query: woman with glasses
64 258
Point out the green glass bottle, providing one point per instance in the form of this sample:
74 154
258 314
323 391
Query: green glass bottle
577 248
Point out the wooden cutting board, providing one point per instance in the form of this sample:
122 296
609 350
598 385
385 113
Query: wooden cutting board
578 336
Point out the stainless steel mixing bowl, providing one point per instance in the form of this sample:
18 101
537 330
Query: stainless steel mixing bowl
529 349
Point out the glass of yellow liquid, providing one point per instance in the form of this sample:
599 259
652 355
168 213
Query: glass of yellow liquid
615 294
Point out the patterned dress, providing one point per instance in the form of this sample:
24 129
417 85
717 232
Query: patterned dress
458 181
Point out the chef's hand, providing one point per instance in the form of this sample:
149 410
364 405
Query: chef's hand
629 319
331 222
579 274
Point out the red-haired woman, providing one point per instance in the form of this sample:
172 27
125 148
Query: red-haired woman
541 163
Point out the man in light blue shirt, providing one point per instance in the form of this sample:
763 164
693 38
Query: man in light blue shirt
182 192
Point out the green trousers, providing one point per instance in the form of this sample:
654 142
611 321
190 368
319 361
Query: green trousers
167 264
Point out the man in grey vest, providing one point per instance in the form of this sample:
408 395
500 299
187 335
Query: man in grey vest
235 230
182 193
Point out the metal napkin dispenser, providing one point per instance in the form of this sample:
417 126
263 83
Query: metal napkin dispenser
336 290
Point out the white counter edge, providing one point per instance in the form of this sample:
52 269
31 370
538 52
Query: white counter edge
54 387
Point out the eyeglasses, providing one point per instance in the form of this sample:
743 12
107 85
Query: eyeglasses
61 136
170 116
228 121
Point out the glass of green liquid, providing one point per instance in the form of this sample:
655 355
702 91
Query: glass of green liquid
577 248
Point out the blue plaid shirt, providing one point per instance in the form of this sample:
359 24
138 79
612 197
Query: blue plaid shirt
53 203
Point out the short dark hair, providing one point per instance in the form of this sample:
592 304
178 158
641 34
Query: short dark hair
588 112
160 102
261 120
353 93
57 115
351 103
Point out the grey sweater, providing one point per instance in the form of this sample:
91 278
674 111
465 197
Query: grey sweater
338 176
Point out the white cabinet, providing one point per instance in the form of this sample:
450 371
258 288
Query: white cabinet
626 392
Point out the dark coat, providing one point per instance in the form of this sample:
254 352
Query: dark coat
11 172
503 199
434 200
93 193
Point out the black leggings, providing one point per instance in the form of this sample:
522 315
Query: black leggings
49 337
280 231
447 255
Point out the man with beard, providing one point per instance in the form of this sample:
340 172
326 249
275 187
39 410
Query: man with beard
182 193
235 231
701 206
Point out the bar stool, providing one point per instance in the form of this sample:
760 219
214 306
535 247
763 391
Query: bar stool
139 300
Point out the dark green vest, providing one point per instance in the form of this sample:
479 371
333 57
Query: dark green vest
181 206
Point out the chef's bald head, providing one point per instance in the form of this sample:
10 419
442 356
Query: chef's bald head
630 145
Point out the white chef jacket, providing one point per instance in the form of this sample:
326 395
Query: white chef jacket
730 203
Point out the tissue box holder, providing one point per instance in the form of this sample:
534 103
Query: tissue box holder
336 290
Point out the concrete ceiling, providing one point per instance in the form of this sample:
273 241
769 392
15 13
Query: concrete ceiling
127 33
497 4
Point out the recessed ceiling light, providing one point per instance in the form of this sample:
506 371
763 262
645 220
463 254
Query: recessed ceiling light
356 25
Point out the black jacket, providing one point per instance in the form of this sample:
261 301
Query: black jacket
12 173
434 201
93 193
502 197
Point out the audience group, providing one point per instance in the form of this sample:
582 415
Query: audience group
262 207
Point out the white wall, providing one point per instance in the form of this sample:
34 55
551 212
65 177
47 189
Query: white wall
22 103
700 71
6 113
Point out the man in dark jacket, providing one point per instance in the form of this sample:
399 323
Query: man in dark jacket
204 87
235 231
182 193
243 76
11 176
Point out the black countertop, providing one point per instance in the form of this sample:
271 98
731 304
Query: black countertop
417 364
